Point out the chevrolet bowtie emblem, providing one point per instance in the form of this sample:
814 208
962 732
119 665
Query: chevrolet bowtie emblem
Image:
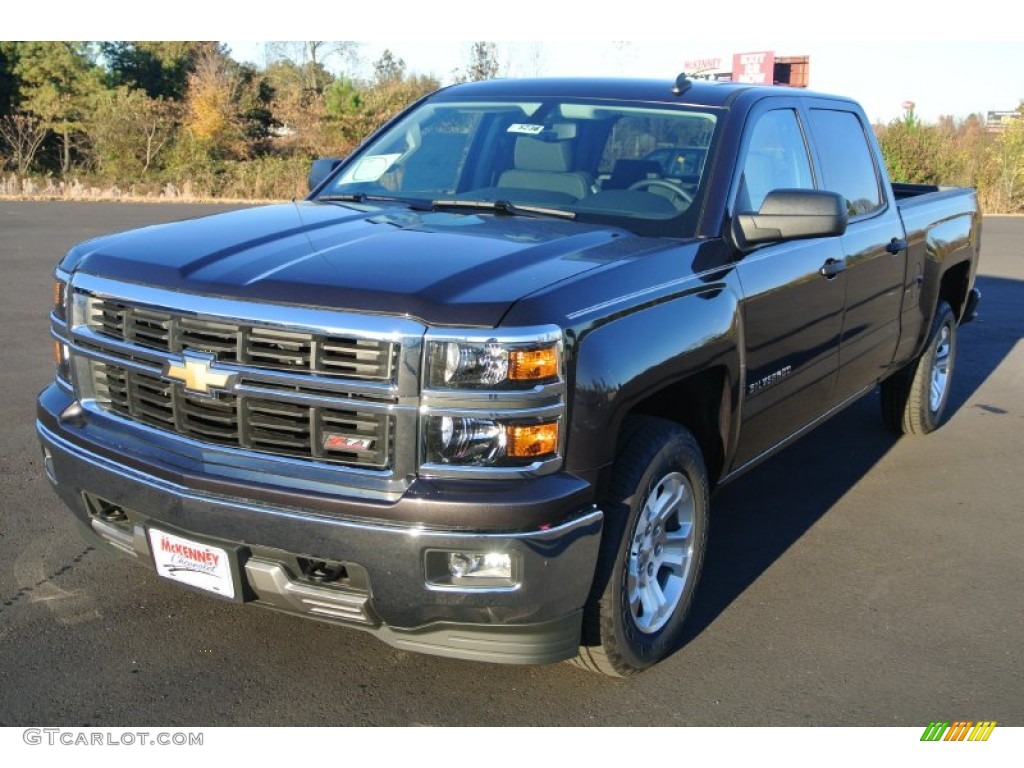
198 373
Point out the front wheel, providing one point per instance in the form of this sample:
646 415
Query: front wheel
914 400
653 548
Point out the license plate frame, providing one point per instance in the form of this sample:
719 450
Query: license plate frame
212 569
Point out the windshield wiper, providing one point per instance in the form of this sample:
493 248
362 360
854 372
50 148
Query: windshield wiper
503 208
359 197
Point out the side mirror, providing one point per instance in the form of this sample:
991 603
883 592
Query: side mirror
791 214
321 170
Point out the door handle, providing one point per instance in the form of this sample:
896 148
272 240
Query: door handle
832 267
896 245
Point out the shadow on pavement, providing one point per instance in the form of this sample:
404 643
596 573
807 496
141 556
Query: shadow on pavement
761 515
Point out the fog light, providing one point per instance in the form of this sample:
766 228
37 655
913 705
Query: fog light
493 565
462 571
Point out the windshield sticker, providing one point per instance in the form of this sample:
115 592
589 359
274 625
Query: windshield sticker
372 167
532 130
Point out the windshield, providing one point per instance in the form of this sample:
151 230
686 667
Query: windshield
640 167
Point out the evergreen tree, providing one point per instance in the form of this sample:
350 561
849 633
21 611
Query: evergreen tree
57 82
160 68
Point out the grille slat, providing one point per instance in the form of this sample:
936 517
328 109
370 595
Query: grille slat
342 435
223 436
249 423
270 440
298 352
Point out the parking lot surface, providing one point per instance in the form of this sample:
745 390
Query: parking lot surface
855 579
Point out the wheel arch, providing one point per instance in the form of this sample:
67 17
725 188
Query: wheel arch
701 403
951 249
679 361
954 287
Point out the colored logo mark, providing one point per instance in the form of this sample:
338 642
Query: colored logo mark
960 730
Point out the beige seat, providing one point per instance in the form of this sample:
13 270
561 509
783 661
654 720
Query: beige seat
544 166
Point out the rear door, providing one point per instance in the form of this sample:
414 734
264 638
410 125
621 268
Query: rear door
873 246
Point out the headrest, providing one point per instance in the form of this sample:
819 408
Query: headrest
536 155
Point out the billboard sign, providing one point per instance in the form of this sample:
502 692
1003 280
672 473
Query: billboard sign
757 68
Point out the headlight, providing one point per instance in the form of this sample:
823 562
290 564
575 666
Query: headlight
492 364
492 405
470 441
60 294
61 352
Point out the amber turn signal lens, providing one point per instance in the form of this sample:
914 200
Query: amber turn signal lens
58 353
533 364
529 441
58 293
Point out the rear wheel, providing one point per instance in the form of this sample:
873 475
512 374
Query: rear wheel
914 400
652 552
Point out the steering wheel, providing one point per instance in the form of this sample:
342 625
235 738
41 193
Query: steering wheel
676 194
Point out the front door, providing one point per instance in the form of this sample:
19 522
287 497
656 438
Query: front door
793 305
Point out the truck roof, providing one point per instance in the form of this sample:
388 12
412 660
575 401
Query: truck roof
699 92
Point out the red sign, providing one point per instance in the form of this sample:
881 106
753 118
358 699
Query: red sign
698 66
758 68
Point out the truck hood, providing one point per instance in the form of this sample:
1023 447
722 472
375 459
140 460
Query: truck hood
442 268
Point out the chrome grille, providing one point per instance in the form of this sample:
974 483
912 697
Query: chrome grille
262 347
359 438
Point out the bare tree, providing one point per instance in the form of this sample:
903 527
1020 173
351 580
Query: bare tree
388 68
312 59
23 134
130 130
535 65
483 63
624 53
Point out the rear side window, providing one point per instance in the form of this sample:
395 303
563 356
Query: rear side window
847 163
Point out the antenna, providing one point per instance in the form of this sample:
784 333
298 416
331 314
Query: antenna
682 85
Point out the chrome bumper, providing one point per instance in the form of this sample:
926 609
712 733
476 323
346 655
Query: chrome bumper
534 621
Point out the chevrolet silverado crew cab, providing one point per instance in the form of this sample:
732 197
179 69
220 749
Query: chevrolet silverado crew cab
472 395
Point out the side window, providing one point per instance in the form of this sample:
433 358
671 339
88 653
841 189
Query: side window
846 160
776 159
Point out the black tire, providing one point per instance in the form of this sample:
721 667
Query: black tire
656 526
914 400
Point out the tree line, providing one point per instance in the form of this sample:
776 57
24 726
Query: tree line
141 115
148 117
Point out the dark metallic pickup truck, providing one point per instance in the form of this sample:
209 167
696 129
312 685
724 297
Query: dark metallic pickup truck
473 394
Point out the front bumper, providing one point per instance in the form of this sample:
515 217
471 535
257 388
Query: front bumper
384 588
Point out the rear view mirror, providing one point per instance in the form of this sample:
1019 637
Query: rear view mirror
791 214
321 170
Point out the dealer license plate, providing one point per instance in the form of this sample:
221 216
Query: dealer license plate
191 562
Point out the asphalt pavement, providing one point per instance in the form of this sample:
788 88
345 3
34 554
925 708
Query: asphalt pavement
855 579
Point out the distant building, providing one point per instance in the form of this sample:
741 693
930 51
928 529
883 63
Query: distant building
996 121
759 67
